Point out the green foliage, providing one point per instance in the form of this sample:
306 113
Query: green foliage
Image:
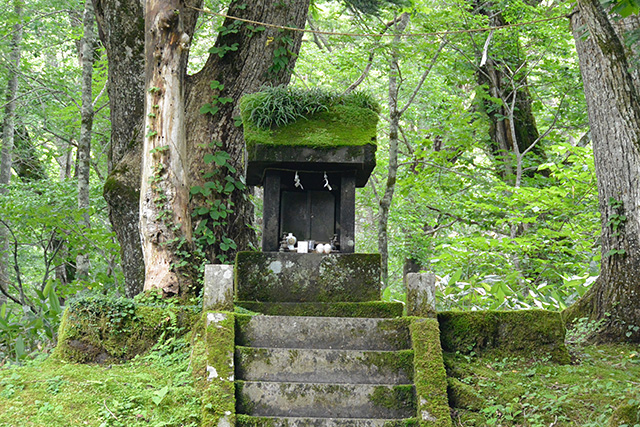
280 105
282 53
24 332
624 8
40 219
618 218
217 205
373 7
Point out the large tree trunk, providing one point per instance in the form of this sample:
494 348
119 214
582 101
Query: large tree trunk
614 115
8 133
86 127
121 29
241 71
165 220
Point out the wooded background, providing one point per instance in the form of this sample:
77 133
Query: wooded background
507 148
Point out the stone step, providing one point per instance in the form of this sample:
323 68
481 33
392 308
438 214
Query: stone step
249 421
338 333
324 366
325 309
276 399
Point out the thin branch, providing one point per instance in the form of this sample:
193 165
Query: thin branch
406 140
456 217
95 101
424 76
551 127
367 68
440 227
104 402
319 39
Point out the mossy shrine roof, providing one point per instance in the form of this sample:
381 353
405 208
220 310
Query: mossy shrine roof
308 131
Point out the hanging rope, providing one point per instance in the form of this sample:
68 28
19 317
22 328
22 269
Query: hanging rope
378 35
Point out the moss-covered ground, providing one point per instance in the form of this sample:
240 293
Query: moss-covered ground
157 389
528 392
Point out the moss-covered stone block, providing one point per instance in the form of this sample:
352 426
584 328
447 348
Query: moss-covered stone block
520 333
464 396
218 402
371 309
111 330
430 377
293 277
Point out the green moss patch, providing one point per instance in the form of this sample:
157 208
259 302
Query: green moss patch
376 309
97 329
399 397
463 396
313 118
531 333
626 415
338 127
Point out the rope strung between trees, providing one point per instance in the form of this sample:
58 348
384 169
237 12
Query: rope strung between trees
330 33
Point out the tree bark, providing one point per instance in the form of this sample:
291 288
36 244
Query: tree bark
121 29
165 220
613 106
8 134
86 126
241 71
496 76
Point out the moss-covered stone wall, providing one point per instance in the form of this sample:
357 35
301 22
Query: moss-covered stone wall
525 332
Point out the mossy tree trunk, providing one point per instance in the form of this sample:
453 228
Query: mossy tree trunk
121 29
613 106
242 70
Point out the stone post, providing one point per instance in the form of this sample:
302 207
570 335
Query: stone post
218 287
421 294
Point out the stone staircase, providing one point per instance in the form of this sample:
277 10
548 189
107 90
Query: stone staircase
323 371
316 346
